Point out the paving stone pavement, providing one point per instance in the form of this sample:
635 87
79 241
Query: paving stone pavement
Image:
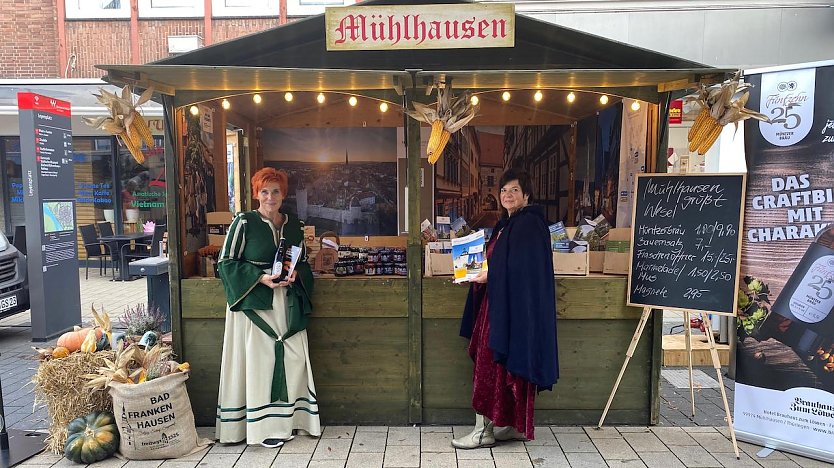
679 440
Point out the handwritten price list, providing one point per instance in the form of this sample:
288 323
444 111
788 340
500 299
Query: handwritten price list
685 242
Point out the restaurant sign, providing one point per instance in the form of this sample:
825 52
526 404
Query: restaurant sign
392 27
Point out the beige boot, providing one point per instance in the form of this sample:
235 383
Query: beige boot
503 433
481 436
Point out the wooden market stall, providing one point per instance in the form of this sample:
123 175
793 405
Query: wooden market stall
385 350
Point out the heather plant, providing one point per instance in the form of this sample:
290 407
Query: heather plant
140 319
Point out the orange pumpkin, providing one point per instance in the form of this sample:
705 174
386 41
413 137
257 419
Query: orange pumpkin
72 340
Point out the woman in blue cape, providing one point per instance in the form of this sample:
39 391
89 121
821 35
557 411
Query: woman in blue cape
510 319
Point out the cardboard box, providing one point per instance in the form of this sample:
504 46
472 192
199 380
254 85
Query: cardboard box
596 261
217 224
618 252
438 264
573 263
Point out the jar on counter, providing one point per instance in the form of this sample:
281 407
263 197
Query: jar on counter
385 256
398 255
401 269
363 254
344 252
373 256
350 266
359 267
388 268
340 268
370 269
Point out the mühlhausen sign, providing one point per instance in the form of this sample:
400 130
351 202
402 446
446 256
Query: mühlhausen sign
387 27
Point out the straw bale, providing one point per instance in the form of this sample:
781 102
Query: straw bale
59 384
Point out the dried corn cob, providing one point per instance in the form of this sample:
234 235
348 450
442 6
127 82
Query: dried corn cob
140 127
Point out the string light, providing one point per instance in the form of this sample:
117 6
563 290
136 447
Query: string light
571 97
635 106
320 98
603 99
257 98
505 95
352 101
474 100
538 96
194 110
288 96
225 103
383 107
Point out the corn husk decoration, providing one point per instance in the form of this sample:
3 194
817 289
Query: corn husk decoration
721 104
451 114
135 365
124 120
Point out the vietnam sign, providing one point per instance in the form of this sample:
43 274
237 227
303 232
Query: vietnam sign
392 27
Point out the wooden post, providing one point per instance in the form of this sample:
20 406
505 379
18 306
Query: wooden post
688 333
173 210
629 353
415 271
716 363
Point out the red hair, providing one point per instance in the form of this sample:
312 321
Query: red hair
268 175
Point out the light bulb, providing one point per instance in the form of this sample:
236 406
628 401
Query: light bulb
603 99
538 96
288 96
474 100
320 98
257 98
505 95
383 107
635 106
194 110
352 101
225 103
571 97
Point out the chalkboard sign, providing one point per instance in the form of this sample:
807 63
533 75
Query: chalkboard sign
686 241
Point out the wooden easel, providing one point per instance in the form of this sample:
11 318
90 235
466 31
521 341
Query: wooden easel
716 363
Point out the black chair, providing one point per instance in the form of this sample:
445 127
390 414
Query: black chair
106 229
94 249
141 250
19 241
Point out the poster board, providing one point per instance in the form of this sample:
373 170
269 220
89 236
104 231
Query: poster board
686 242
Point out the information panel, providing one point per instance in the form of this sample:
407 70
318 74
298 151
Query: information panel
686 242
49 207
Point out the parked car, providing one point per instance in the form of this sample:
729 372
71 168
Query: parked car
14 285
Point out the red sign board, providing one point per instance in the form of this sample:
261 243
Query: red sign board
676 111
32 101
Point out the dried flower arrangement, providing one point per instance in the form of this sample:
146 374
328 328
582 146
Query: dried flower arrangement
140 319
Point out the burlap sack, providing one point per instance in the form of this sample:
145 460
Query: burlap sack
155 419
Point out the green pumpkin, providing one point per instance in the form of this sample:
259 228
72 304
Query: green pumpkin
92 438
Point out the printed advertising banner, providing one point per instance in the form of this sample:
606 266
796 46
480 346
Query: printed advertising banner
784 396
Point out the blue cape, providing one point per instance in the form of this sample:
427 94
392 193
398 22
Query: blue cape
522 299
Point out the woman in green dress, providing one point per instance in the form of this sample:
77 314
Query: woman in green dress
266 383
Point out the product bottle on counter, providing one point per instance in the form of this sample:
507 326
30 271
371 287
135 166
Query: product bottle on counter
801 316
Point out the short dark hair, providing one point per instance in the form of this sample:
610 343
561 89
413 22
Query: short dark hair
524 181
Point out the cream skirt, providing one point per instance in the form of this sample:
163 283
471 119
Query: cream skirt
244 409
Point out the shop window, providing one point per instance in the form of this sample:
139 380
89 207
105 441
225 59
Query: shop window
244 8
93 163
12 182
313 7
96 9
142 186
171 8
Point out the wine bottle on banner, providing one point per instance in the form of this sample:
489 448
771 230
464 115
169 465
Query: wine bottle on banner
278 263
802 315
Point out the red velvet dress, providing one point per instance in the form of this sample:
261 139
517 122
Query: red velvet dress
506 399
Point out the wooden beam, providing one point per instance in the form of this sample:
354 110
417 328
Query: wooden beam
415 270
173 211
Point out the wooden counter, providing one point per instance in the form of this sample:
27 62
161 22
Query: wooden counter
359 350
